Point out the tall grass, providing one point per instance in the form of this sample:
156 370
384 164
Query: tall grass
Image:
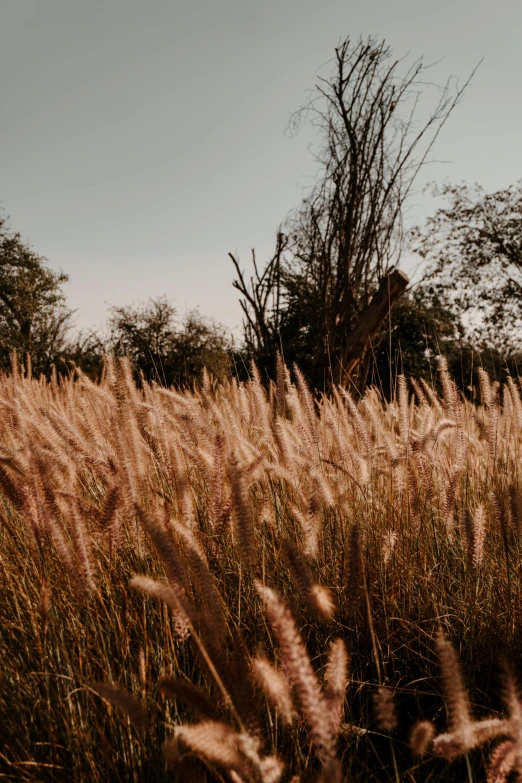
249 585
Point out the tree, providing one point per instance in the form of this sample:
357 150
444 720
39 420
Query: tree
201 345
420 329
261 305
473 248
87 351
346 237
145 334
34 318
161 350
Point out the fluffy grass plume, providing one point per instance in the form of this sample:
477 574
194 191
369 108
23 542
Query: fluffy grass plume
223 553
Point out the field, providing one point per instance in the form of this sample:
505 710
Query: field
241 584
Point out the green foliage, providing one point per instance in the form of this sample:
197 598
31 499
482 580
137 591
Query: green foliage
160 349
35 321
87 350
33 315
423 326
473 248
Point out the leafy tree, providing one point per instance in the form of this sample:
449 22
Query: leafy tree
144 333
422 327
473 249
34 318
201 345
340 246
87 350
165 351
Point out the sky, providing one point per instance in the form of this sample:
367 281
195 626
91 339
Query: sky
141 142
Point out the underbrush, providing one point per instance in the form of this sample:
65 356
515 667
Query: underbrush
248 585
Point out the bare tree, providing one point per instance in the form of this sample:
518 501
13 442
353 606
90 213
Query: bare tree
346 237
262 300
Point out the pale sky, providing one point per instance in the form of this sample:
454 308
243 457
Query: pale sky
143 141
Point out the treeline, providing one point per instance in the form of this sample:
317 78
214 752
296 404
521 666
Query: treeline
331 298
36 327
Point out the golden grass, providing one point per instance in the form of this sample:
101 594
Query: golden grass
248 585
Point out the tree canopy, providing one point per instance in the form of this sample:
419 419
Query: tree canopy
34 318
473 250
164 350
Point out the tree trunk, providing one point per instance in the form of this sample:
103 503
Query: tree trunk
390 289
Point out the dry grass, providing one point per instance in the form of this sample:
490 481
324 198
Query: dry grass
246 586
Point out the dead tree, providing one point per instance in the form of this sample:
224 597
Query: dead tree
347 235
261 303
